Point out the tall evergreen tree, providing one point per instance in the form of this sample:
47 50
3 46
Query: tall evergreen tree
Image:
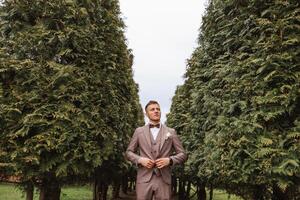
68 99
246 97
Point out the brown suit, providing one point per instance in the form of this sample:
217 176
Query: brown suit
166 141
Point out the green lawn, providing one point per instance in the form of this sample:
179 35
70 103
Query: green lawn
221 195
76 193
10 192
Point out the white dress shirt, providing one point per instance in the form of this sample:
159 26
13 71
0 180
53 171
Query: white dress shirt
154 131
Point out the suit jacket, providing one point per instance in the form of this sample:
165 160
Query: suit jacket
168 142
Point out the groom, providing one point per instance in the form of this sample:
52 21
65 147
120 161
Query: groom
155 143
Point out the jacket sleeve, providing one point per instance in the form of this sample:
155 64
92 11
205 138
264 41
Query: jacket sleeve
132 148
180 156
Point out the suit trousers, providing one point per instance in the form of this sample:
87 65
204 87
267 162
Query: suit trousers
155 189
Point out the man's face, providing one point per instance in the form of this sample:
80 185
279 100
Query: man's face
153 112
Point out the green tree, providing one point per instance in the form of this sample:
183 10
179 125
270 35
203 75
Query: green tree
245 98
69 102
184 117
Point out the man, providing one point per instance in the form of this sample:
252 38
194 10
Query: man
155 143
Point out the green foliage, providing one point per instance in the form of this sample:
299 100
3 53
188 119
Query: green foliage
238 110
68 99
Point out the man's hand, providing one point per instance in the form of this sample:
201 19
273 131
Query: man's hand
162 162
146 162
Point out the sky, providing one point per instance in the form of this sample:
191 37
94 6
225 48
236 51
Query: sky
162 34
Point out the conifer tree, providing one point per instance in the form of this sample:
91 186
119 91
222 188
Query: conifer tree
68 99
245 98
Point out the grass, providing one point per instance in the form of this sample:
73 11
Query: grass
10 192
222 195
76 193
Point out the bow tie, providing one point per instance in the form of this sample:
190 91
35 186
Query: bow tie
152 125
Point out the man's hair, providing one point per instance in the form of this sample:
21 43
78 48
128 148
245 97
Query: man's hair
150 103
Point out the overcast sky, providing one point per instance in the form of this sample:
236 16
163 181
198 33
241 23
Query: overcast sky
162 35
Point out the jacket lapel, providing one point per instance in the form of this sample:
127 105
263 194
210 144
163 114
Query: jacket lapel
162 136
147 135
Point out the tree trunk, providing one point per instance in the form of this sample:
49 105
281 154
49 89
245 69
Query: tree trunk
100 189
174 185
50 188
104 191
94 189
125 184
29 191
188 190
116 190
132 185
211 192
201 192
181 192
